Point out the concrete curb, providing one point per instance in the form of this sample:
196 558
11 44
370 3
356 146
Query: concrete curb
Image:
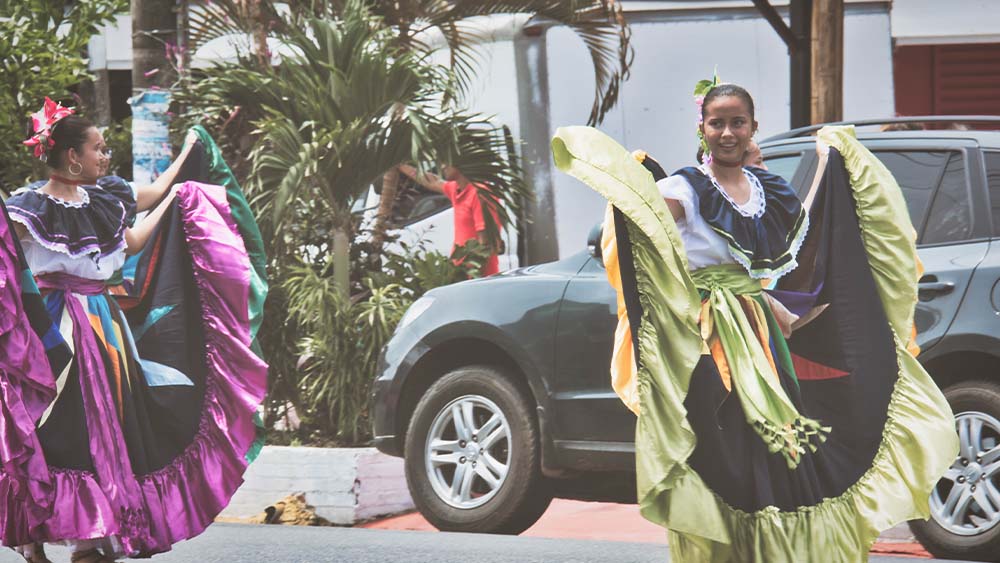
345 485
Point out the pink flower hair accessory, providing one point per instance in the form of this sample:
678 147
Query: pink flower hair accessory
42 123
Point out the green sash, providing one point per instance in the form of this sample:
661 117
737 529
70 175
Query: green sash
767 407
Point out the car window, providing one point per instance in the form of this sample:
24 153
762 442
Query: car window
784 165
414 203
993 180
950 218
918 173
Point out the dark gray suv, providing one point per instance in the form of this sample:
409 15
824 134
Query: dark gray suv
497 393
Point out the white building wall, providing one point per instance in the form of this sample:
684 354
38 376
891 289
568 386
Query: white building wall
930 22
868 86
112 48
494 93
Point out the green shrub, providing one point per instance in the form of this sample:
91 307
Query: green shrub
345 336
342 347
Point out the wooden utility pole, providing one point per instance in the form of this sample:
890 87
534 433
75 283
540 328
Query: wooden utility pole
154 24
796 36
828 61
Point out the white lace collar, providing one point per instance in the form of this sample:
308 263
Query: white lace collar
82 193
755 206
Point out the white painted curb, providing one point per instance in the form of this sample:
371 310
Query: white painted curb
345 485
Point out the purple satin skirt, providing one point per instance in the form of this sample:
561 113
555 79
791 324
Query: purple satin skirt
138 512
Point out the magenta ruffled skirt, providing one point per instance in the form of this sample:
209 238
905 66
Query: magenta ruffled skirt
161 391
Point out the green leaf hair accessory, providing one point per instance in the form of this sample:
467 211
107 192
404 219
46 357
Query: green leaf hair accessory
701 89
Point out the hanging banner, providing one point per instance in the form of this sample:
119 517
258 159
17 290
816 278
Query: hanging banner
151 152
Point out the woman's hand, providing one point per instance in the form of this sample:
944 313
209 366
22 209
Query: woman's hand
823 151
189 140
149 196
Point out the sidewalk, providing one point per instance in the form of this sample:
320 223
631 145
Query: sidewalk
569 519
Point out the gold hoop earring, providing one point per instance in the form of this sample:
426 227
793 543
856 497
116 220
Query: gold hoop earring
78 170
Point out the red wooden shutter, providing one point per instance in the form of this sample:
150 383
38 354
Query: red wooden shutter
967 79
947 79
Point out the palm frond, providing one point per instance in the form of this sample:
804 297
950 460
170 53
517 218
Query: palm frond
283 163
600 24
367 104
213 19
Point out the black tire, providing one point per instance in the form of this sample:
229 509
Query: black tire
968 396
523 495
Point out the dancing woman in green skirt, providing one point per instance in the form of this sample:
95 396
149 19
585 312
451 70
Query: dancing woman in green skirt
789 424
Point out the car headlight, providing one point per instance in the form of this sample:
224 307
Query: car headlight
415 310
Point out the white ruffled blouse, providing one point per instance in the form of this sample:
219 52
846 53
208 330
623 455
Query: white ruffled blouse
703 246
44 260
41 260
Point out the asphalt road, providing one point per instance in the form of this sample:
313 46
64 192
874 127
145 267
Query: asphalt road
231 543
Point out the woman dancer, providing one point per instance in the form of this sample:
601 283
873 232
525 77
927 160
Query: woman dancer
752 445
132 434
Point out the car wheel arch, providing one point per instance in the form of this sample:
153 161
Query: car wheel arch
451 354
961 365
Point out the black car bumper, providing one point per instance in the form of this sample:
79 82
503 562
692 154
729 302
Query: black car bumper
389 445
395 363
384 420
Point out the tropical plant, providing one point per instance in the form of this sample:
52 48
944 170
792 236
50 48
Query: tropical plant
600 24
419 269
343 108
345 336
343 342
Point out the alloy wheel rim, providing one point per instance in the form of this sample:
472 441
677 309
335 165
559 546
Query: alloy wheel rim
468 452
966 501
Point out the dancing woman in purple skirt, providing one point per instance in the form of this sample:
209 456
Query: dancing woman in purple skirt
127 371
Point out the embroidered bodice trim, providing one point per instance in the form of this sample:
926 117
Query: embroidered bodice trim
765 234
754 206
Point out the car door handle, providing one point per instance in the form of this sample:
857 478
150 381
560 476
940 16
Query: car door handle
933 287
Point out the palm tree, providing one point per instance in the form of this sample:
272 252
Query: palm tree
346 104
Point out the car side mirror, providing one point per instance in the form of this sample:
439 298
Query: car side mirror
594 240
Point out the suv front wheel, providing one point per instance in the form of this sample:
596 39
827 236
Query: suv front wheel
965 505
472 454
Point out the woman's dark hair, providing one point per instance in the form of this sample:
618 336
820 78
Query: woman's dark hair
69 132
727 90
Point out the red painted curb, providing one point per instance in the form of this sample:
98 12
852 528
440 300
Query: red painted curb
602 521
